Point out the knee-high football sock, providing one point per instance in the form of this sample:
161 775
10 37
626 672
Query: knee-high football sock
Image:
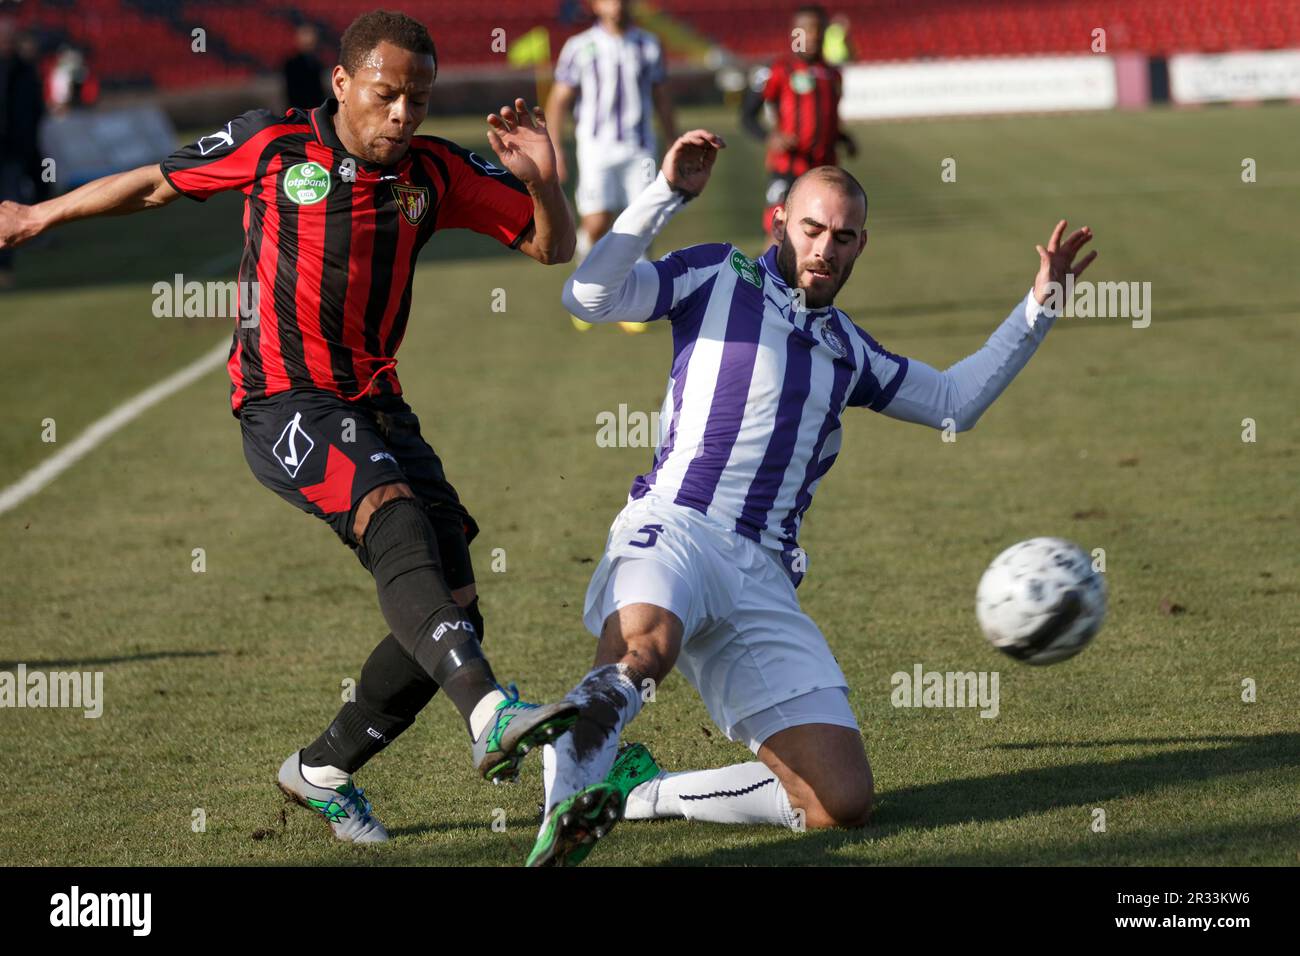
741 793
402 554
608 698
392 690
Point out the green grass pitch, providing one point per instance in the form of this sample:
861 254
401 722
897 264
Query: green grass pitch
1119 438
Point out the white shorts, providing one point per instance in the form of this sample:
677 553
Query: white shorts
758 661
609 181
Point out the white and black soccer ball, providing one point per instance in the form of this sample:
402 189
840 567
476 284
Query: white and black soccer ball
1040 601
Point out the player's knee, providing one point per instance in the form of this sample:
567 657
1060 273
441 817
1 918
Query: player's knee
644 636
373 501
846 804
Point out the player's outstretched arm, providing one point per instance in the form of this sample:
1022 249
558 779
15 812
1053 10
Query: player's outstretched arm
958 396
611 285
116 195
519 137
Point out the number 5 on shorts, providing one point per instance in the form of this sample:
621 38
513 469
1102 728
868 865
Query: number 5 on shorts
652 532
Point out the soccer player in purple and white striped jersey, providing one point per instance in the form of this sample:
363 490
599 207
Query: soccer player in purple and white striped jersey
613 78
701 565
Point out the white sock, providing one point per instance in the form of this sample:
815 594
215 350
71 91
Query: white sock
331 778
741 793
482 713
608 699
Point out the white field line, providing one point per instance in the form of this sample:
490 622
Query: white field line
83 444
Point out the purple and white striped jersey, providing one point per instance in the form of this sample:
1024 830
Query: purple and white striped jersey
751 418
614 75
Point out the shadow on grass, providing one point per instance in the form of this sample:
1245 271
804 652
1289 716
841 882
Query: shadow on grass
105 661
1009 796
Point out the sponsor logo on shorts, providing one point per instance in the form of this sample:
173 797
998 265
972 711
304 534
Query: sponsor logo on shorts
380 455
293 446
307 183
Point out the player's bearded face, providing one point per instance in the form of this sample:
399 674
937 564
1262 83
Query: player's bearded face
819 247
384 103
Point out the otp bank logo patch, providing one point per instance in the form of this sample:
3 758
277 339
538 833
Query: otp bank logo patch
307 183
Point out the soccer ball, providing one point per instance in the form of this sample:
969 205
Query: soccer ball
1041 601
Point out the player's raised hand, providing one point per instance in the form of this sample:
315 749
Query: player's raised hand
18 223
1058 259
519 138
690 160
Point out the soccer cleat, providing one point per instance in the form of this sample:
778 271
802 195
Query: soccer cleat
576 823
516 728
580 325
632 767
634 328
346 810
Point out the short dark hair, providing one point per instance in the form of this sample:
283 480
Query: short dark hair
370 29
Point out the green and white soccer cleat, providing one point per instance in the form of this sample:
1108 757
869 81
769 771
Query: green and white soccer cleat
633 767
516 728
346 810
575 825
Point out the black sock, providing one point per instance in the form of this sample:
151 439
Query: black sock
402 553
393 689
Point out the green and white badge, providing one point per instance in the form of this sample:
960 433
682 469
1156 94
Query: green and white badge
307 183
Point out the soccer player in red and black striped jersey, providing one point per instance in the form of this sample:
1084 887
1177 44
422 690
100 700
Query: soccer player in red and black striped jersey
339 200
804 92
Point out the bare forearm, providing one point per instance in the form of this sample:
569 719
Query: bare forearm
117 195
553 238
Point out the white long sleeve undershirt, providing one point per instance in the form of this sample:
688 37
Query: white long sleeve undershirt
960 394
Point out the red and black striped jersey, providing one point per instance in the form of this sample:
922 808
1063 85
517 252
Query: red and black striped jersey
807 100
331 242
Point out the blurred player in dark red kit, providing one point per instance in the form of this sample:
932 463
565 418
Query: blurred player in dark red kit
804 92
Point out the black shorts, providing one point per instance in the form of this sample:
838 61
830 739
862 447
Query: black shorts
323 454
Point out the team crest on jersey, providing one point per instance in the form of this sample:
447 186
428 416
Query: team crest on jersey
307 183
746 268
833 340
412 201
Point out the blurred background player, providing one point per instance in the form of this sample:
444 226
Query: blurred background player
803 90
21 108
304 73
614 74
